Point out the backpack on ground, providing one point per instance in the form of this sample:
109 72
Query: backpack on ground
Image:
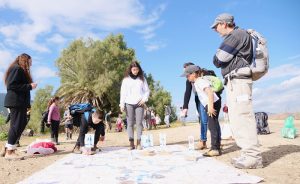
289 130
262 125
260 62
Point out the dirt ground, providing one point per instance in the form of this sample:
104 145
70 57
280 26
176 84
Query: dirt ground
280 156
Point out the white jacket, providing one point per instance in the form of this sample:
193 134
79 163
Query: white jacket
133 90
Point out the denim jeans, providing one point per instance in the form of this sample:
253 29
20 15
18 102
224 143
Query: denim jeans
202 119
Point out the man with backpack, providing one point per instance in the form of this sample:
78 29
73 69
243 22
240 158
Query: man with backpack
234 57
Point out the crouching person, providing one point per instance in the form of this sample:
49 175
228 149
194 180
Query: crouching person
94 120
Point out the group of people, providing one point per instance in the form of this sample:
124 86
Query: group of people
232 57
151 119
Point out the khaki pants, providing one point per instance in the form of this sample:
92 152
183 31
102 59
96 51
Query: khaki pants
241 115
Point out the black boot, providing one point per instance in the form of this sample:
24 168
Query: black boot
56 141
131 146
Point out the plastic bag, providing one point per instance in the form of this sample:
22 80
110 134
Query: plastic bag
289 130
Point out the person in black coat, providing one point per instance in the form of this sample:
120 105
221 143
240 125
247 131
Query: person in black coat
18 82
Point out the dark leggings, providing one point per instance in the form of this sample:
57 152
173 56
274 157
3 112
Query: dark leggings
214 126
84 128
18 122
54 130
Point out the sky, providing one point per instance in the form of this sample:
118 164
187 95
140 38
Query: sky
164 33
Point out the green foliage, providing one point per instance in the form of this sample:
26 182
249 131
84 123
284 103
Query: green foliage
39 105
2 120
3 136
94 70
3 128
158 98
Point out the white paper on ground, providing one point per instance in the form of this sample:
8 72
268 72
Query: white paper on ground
118 165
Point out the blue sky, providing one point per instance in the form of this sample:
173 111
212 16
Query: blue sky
164 34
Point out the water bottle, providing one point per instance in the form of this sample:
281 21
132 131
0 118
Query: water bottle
191 142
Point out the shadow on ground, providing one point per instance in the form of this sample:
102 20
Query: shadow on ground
276 152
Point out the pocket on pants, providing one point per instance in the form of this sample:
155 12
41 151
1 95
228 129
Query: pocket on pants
244 98
244 104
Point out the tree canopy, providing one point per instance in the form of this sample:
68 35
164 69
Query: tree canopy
93 70
40 102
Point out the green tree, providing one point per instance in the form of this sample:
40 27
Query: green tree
93 70
39 105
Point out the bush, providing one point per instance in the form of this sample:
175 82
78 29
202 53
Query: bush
2 120
3 136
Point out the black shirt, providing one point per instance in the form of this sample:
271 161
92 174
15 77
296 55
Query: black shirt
18 89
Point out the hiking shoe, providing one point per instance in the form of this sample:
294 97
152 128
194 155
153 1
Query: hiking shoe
77 150
95 149
13 156
131 146
201 146
138 145
212 153
244 163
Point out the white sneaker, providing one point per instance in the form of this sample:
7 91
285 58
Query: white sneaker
246 163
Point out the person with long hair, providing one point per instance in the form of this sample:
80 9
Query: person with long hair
18 82
54 118
134 93
212 104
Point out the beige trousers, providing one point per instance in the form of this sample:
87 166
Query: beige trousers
241 115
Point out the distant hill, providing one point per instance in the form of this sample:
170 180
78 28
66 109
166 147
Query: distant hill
3 110
284 116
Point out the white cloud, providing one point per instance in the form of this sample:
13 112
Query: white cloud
72 18
42 72
286 70
9 31
5 59
57 39
280 97
154 46
148 31
294 57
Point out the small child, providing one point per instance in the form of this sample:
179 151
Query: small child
212 103
119 123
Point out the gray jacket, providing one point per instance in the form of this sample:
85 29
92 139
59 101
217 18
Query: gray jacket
235 52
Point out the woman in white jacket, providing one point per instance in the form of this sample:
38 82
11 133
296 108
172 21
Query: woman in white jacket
134 94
